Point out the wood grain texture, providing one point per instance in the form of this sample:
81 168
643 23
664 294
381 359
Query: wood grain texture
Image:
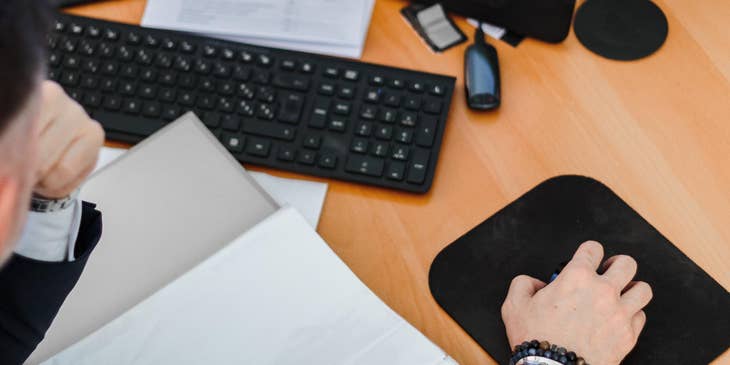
657 131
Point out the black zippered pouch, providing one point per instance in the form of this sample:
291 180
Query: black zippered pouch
546 20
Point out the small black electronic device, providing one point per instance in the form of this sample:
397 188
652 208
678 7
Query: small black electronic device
293 111
64 3
481 74
546 20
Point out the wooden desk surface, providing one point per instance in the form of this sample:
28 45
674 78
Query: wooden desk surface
657 131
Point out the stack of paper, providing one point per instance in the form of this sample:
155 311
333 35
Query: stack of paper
277 295
333 27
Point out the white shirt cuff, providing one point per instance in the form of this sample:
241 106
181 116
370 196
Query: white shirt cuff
51 236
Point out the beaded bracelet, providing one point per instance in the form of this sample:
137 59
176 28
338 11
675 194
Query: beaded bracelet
543 353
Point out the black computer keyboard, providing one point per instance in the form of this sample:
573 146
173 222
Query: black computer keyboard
293 111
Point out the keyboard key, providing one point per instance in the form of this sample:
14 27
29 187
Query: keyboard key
170 112
346 92
351 75
412 103
388 116
408 119
416 87
113 102
151 109
437 90
372 96
307 67
396 83
288 65
231 123
392 100
380 149
384 132
138 126
328 161
342 108
396 170
292 82
365 165
291 108
338 124
286 153
265 60
376 80
312 142
258 147
327 89
70 79
212 120
364 129
92 100
426 132
331 72
368 112
400 153
187 47
319 115
307 157
418 165
267 129
432 107
359 145
404 136
234 143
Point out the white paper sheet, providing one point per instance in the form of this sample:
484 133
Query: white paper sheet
306 196
277 295
331 27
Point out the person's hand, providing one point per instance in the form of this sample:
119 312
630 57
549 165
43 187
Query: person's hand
599 317
69 144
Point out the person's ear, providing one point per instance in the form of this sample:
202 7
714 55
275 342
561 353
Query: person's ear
9 194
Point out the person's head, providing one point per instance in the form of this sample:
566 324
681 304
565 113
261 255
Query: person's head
23 29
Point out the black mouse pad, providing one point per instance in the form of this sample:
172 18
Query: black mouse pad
621 29
688 321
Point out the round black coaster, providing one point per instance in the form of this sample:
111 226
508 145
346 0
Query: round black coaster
621 29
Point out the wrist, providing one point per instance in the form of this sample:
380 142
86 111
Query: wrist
543 353
41 204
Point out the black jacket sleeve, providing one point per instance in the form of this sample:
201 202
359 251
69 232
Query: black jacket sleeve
32 292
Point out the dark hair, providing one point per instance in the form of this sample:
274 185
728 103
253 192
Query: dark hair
23 28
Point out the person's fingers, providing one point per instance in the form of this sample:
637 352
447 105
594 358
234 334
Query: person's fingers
637 322
588 256
53 98
523 287
620 270
637 297
74 166
53 143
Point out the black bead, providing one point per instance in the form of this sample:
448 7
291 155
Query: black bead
562 351
525 345
534 343
517 348
563 359
570 362
532 352
554 348
571 356
540 352
548 354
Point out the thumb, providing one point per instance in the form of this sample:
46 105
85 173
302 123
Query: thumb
523 288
